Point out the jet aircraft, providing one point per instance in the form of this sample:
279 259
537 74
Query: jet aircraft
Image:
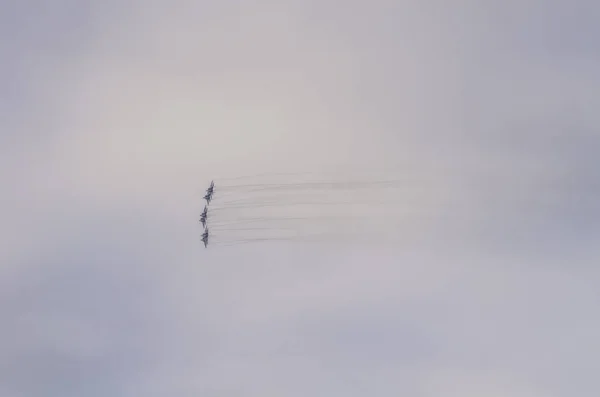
209 192
203 217
205 238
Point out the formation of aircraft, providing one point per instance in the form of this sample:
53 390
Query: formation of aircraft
204 214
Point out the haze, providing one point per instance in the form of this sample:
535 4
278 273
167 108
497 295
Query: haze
115 116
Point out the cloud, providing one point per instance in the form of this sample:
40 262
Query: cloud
488 110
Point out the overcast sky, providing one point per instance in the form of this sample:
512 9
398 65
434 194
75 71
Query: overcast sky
115 115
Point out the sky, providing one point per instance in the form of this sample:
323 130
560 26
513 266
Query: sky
115 116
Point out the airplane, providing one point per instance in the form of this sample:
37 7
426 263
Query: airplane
203 216
208 197
209 192
205 238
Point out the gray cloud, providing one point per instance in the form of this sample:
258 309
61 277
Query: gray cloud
118 116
